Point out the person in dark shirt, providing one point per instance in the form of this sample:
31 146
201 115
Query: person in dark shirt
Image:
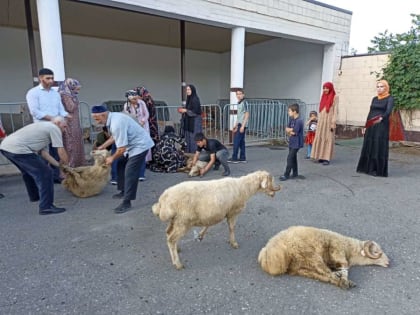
295 131
217 151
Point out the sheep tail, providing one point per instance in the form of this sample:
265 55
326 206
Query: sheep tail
164 214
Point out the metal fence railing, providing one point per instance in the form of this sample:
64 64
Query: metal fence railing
267 122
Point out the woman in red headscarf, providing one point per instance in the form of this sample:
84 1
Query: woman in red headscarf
374 156
324 142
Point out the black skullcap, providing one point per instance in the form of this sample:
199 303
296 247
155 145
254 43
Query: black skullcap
45 71
97 109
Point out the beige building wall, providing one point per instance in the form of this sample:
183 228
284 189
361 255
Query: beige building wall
356 85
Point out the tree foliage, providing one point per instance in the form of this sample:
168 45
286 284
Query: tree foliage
403 68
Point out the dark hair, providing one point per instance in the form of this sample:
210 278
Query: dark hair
169 129
240 90
313 112
294 108
199 136
45 71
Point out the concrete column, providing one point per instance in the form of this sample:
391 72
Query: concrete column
328 64
237 61
50 35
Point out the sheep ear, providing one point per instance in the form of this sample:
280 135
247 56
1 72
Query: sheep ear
264 183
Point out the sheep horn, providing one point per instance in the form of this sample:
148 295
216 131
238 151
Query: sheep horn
367 246
271 185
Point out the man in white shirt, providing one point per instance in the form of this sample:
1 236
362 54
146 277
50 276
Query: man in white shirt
44 104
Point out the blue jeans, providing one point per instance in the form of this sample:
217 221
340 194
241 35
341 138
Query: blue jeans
37 176
128 169
308 153
239 144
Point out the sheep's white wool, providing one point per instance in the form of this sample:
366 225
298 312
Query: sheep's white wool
206 203
319 254
87 181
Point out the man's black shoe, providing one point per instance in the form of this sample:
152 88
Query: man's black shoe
118 196
283 178
226 173
216 167
124 207
58 181
52 210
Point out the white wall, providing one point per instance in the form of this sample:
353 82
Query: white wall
275 69
279 69
108 68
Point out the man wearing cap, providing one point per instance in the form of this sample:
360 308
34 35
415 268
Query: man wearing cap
132 142
27 148
44 104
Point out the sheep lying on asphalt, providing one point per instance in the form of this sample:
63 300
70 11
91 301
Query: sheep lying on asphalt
319 254
206 203
87 181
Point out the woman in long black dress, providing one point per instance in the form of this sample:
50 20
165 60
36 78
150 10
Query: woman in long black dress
374 156
191 120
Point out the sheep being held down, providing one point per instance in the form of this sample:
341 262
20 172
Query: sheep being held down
87 181
318 254
206 203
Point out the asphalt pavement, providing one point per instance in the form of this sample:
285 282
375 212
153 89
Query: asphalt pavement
89 260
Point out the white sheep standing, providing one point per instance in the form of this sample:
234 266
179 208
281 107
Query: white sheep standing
206 203
318 254
87 181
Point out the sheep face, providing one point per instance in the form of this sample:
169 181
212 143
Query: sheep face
267 184
372 254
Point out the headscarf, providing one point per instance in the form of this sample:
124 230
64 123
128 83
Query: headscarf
193 101
327 99
150 104
386 91
69 86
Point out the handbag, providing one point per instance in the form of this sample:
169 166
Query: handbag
372 121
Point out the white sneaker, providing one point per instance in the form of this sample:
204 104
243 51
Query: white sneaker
113 182
142 179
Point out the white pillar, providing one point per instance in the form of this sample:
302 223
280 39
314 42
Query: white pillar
50 35
237 61
328 64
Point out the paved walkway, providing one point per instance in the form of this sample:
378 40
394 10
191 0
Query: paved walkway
89 260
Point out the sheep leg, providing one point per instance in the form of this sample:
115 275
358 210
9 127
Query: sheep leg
231 223
202 232
323 273
174 234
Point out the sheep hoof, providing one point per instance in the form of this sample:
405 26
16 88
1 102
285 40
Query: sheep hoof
346 284
179 266
234 245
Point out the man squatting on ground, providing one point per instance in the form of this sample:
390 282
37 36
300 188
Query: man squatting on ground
217 152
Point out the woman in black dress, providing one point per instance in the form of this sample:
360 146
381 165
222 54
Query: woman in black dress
191 118
374 156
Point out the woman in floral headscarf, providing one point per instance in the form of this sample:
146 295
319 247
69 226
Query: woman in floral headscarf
72 137
324 142
150 103
374 156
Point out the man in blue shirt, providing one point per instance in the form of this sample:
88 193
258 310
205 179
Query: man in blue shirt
44 104
295 131
132 142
